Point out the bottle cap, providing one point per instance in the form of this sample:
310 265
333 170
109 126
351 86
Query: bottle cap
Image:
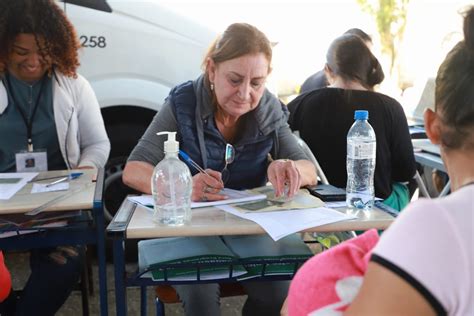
171 145
361 115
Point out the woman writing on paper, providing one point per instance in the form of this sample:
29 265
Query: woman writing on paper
227 106
227 109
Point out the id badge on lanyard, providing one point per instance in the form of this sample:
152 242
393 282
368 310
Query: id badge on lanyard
30 159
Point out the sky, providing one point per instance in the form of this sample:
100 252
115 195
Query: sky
304 30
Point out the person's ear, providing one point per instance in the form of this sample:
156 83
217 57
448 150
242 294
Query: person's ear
211 70
432 126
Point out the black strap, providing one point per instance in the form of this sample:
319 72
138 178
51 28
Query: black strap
28 120
429 297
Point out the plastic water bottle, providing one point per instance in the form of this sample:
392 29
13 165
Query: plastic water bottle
360 164
171 186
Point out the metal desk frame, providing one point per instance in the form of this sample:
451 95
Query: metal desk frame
92 234
435 162
118 232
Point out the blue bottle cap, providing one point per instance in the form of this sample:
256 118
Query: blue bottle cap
361 115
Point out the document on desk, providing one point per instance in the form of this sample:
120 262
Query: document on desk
11 183
300 201
233 196
45 187
283 223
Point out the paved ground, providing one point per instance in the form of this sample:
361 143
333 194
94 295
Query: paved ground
19 268
18 264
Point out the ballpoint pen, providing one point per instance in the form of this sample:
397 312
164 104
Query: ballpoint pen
73 175
192 162
70 177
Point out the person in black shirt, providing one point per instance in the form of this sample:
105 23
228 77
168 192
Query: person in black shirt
323 118
318 80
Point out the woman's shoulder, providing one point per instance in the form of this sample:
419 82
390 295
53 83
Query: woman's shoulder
70 82
270 113
316 97
384 98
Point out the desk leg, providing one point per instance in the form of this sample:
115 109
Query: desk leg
446 189
99 221
120 277
143 307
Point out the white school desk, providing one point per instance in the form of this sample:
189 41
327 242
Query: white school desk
88 198
135 223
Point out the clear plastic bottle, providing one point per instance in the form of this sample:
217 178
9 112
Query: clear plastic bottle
360 163
171 186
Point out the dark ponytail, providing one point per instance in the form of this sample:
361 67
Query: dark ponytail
454 95
350 58
375 75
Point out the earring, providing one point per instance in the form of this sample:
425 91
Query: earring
212 86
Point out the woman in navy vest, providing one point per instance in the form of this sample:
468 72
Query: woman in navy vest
228 108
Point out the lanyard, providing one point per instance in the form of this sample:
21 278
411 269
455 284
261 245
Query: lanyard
28 120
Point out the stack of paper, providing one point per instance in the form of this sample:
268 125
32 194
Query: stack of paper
233 196
11 183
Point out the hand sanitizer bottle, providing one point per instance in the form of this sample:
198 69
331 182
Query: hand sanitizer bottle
171 186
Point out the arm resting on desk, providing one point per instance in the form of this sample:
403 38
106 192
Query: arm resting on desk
137 175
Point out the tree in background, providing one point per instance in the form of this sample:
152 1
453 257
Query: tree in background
391 18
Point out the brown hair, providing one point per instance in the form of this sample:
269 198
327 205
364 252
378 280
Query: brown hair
44 19
350 58
454 94
238 39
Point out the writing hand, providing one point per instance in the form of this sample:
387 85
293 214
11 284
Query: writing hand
206 187
283 172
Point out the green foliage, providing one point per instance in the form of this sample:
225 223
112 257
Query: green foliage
391 18
328 240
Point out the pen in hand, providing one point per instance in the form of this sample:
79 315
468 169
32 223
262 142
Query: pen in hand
192 163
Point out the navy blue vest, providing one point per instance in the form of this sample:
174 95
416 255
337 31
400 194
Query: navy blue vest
249 168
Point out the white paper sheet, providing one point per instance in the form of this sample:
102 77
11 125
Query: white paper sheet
43 187
234 196
11 183
283 223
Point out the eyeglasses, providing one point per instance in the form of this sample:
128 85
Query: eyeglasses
228 158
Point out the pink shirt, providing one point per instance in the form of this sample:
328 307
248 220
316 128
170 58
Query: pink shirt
431 246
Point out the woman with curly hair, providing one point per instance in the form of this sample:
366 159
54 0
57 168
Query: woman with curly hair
50 112
44 103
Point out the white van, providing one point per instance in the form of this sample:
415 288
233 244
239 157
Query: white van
134 52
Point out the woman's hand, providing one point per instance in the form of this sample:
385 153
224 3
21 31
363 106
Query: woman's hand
284 172
207 187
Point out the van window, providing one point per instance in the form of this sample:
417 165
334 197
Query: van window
101 5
